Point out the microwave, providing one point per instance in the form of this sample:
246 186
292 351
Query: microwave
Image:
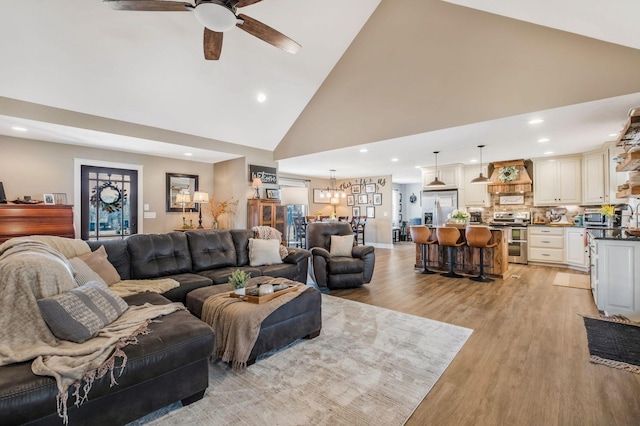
592 217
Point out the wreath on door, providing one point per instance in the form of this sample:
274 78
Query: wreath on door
507 174
109 197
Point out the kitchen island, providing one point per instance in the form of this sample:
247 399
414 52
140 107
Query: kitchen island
615 280
468 258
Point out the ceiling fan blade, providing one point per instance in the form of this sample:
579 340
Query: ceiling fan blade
149 5
212 45
243 3
268 34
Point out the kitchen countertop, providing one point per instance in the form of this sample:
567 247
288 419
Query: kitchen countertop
611 234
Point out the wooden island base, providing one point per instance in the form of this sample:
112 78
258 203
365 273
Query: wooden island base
468 258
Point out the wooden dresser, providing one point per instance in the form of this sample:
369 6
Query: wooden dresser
18 220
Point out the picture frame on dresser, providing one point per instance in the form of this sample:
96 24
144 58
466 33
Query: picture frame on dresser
273 194
49 199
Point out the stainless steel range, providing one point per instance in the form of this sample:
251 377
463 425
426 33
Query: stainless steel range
515 227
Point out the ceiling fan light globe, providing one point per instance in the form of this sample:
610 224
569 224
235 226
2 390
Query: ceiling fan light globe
215 16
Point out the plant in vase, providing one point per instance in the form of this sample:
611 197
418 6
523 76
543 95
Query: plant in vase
218 208
607 211
239 280
459 216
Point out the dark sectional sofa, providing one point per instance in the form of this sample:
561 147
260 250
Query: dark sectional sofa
195 259
171 362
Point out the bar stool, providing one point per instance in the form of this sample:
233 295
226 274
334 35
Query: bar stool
479 236
420 235
448 236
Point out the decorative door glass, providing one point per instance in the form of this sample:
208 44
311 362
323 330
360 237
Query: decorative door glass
109 203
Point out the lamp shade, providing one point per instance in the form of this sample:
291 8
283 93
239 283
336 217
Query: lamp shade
200 197
480 179
256 182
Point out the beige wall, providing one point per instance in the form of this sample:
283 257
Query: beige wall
35 167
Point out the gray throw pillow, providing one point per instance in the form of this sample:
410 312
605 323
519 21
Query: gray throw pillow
78 314
83 273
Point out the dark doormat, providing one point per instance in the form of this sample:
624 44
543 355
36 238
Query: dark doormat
614 344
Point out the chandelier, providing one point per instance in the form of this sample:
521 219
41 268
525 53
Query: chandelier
332 191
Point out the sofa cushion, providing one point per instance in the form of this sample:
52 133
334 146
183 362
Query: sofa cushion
345 265
211 249
159 255
282 270
82 273
78 314
241 241
188 282
117 254
341 245
264 252
221 276
97 260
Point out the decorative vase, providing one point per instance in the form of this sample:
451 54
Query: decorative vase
214 225
265 289
240 291
609 221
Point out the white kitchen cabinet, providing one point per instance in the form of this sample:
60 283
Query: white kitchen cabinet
557 181
451 175
595 178
475 195
618 283
576 250
546 244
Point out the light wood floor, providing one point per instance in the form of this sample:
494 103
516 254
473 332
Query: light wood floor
527 361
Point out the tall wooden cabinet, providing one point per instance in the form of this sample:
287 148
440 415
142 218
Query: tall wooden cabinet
262 212
17 220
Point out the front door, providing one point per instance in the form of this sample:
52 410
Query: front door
109 200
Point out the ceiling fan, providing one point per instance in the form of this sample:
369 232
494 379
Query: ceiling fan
217 16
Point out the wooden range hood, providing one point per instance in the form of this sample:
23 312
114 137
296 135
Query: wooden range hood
523 182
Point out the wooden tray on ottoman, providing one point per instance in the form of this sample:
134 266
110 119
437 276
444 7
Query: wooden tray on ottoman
266 297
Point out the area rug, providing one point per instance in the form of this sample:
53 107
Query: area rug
572 280
369 366
614 343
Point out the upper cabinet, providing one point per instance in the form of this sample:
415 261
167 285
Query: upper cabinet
595 178
475 195
557 181
451 175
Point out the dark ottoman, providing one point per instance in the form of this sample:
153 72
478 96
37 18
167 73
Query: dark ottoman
300 318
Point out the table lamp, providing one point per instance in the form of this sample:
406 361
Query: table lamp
200 197
184 199
257 183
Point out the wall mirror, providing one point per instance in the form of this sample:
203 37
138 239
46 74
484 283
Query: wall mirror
178 183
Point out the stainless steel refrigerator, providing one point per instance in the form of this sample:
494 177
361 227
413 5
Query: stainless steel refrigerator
437 205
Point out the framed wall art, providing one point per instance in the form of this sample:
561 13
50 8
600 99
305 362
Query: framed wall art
363 199
273 194
371 212
355 211
351 200
355 189
377 199
370 188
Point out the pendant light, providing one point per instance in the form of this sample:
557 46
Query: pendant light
481 179
436 181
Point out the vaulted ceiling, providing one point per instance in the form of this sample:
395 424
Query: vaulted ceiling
400 77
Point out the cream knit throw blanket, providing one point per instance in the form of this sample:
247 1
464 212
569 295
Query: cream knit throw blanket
31 270
236 324
269 233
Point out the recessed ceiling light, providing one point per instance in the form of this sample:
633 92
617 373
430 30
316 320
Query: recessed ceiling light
473 160
394 159
536 121
613 134
19 129
188 154
364 150
261 97
417 167
548 153
542 140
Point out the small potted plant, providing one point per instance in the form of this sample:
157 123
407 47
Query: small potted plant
607 211
239 280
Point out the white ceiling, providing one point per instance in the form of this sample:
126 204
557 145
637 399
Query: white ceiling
147 68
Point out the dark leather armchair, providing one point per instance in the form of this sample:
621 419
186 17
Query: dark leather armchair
338 271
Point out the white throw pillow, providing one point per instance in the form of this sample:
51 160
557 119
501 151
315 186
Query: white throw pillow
264 252
341 245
